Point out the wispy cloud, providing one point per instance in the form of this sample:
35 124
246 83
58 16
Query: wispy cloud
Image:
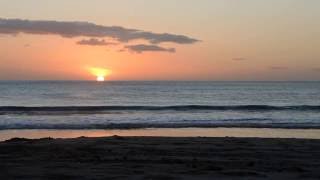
239 59
140 48
77 29
278 68
95 42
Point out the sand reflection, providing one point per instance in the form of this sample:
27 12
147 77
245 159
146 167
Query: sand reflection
183 132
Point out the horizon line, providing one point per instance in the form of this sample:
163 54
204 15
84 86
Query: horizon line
51 80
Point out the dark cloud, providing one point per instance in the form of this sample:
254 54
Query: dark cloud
77 29
278 68
238 59
143 47
95 42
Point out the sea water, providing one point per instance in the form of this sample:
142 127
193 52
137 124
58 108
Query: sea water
105 105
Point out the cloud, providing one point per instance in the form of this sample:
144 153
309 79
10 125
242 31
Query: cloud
278 68
143 47
238 59
77 29
95 42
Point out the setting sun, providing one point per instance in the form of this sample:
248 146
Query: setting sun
100 73
100 78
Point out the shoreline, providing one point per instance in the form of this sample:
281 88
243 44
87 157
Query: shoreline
168 132
159 158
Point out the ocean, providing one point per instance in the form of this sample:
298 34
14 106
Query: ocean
158 104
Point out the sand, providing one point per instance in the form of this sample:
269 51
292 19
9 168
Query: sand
168 132
160 158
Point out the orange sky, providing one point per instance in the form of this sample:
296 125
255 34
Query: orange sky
239 41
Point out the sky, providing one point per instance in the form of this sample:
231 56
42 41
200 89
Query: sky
233 40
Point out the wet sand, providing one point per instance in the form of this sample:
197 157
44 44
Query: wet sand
160 158
171 132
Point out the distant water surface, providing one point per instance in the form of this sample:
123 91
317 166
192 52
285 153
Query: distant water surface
93 105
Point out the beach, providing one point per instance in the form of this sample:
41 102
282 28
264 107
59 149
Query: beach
163 132
120 157
159 90
159 130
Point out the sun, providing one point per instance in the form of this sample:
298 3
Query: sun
100 78
100 73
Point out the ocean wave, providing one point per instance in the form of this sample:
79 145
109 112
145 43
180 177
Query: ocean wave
105 109
159 125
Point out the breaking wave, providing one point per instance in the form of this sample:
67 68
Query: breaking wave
105 109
